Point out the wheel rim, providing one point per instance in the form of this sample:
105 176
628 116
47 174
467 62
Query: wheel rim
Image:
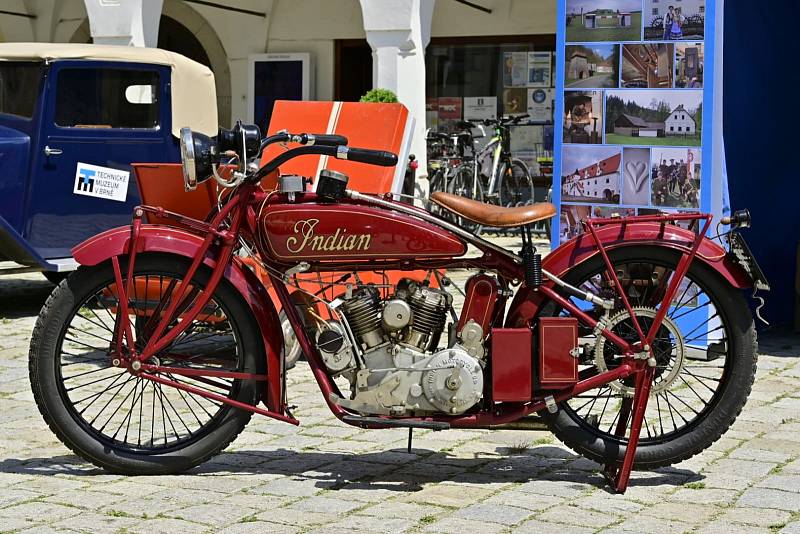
128 412
682 396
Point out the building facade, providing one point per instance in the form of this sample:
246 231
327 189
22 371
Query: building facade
680 122
352 45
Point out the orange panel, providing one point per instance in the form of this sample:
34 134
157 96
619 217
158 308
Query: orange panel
366 125
161 184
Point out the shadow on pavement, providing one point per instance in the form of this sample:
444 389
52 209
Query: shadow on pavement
392 470
23 297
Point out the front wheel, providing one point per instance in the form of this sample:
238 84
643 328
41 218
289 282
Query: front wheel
123 422
705 352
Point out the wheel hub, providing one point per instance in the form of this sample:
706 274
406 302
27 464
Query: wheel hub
668 348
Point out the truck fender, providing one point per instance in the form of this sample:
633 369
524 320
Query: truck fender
166 239
526 302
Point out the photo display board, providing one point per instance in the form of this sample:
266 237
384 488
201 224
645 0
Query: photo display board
634 121
632 138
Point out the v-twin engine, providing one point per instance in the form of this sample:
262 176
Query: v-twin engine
388 350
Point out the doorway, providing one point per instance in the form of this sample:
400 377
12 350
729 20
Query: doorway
353 72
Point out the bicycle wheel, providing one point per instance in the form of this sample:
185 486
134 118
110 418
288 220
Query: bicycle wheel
464 184
122 422
706 362
516 184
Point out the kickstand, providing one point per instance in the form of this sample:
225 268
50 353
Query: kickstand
619 475
410 436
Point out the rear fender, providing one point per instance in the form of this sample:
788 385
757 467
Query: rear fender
165 239
526 302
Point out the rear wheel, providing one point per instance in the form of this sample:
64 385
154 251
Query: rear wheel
706 362
120 421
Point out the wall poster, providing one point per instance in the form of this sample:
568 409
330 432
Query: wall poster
634 108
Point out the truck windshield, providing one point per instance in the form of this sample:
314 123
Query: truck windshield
19 87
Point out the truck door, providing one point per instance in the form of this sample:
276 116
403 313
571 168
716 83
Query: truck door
99 118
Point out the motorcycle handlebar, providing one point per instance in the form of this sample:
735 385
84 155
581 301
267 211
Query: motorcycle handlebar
360 155
365 155
322 139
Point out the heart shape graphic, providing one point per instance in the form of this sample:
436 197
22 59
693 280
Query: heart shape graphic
636 172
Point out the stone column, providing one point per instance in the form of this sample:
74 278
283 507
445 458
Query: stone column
398 32
124 22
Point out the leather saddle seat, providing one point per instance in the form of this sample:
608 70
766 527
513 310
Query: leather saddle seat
490 215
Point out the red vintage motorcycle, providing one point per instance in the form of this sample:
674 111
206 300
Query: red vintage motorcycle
633 342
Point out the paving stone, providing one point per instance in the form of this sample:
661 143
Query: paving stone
497 513
572 515
762 517
325 505
543 527
457 525
770 498
447 495
782 482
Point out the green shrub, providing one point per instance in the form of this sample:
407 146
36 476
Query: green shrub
379 95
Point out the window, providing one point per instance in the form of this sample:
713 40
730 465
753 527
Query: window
608 180
671 128
680 128
702 9
107 98
655 11
19 87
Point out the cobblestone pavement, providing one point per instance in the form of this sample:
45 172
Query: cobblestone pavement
324 476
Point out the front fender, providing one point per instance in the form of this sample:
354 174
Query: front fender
574 252
167 239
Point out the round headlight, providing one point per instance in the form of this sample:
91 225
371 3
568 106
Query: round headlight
198 154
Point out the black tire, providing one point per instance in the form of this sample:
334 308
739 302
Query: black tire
112 454
735 384
55 277
516 184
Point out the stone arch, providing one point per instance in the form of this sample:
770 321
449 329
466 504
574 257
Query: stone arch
211 43
83 34
208 39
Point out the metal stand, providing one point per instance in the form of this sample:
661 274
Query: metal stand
410 436
619 475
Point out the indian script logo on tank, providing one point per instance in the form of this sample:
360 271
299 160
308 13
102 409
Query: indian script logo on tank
306 239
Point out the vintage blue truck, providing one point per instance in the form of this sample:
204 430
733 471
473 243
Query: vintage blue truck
73 118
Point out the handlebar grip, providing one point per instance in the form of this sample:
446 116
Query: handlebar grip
365 155
326 140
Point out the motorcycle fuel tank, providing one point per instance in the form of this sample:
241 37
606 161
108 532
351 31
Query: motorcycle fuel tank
291 232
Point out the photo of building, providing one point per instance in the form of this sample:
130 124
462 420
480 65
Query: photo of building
591 174
653 117
647 65
604 20
680 122
592 66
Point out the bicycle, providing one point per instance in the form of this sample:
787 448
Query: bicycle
509 182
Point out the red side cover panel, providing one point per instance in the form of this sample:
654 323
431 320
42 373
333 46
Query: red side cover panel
511 364
558 337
